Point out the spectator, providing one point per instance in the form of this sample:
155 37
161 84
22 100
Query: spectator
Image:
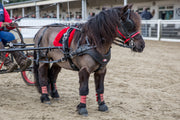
54 16
78 18
91 14
145 15
48 16
45 15
67 17
51 14
33 16
16 17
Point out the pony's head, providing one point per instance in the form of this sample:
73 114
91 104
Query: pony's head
129 27
120 22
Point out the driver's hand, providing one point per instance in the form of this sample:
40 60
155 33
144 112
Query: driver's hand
4 24
13 24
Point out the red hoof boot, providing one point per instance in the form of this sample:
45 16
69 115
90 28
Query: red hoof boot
81 108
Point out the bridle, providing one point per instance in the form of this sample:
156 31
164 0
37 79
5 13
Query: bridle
127 37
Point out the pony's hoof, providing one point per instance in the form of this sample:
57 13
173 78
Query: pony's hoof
55 95
47 102
56 99
103 108
45 99
81 108
83 112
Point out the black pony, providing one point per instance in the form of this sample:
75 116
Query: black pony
89 52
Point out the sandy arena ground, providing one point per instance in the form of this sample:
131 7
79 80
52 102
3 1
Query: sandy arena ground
143 86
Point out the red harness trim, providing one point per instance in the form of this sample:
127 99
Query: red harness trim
7 54
127 39
131 37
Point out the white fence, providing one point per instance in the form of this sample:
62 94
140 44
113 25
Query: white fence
38 23
164 30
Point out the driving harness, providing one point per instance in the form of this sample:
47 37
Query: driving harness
82 50
102 60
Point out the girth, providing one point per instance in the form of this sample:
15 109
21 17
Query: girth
67 50
98 57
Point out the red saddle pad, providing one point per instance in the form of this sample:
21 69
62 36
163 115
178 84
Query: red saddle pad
58 40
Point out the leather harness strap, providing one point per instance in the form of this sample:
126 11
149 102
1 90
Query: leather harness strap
81 50
99 58
66 49
84 49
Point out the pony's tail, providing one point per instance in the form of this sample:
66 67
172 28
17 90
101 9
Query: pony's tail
36 74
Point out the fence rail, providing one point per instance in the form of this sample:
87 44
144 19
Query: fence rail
163 30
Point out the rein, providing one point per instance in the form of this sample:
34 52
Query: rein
35 27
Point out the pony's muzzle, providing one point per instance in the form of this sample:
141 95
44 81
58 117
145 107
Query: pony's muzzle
139 47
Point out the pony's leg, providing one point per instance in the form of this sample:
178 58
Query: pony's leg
99 83
43 82
83 90
53 74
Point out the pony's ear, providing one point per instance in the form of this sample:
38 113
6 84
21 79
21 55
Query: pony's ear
130 6
125 8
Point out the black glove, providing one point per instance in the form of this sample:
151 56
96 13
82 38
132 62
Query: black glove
4 24
13 24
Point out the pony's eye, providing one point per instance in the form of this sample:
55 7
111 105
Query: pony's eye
129 25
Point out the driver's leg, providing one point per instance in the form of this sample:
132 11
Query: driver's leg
6 59
21 59
4 38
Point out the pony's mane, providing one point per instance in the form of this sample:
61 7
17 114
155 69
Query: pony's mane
101 28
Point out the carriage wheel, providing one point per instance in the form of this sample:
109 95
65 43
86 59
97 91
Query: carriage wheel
27 75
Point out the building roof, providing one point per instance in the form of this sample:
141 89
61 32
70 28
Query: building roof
34 3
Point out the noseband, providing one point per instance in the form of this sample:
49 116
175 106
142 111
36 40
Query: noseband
123 31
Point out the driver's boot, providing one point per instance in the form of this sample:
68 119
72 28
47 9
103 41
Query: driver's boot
21 59
10 66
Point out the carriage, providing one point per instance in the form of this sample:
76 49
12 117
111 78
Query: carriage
88 52
27 75
28 49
